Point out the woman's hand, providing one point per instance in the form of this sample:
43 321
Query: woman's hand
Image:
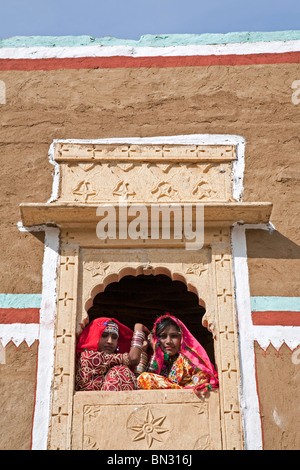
145 346
141 327
82 326
150 340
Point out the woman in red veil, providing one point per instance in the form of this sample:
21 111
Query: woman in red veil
106 353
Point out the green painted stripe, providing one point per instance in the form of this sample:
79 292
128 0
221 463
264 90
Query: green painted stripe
258 304
275 304
160 40
20 300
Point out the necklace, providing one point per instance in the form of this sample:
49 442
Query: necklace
167 364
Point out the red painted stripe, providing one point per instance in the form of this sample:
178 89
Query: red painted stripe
148 62
19 315
276 318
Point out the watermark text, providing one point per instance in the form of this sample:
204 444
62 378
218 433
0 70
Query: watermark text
158 222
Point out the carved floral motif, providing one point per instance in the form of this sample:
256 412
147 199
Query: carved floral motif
196 269
164 189
85 190
123 190
97 268
149 429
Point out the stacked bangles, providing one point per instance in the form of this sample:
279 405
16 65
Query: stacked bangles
137 339
142 365
137 342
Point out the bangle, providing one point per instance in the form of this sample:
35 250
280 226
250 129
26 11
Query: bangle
142 365
137 339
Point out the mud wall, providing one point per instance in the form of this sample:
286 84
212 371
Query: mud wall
256 99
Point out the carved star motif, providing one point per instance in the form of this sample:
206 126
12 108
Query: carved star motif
97 269
164 189
149 429
84 190
196 268
122 190
86 166
203 190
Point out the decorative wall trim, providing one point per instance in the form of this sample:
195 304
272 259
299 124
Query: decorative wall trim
48 53
147 62
43 398
149 40
249 333
275 304
19 315
20 300
19 332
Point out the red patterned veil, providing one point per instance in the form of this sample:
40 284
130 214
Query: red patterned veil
90 336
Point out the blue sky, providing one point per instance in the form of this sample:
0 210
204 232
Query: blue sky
130 19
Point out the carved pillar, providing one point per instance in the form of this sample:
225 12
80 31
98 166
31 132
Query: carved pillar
226 341
63 381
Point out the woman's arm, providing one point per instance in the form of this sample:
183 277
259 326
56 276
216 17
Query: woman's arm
137 342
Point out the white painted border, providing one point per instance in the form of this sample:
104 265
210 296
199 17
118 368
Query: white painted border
98 50
19 332
249 397
46 341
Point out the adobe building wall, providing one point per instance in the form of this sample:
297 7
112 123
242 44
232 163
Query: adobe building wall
58 90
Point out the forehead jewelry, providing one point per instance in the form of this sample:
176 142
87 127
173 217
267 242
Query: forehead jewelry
112 328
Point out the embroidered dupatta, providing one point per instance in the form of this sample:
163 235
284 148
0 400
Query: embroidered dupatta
191 350
101 371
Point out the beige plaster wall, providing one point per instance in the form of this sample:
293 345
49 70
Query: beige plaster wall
278 377
253 101
17 390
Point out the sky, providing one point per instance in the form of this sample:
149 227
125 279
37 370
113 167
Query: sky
131 19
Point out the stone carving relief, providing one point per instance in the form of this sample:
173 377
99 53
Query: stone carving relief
164 190
145 421
97 268
99 173
85 190
148 427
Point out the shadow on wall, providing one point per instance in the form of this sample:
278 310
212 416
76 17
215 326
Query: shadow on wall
265 244
273 262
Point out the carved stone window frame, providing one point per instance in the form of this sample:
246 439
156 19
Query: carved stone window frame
87 264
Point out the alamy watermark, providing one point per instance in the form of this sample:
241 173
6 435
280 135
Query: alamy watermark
124 221
296 94
2 353
2 92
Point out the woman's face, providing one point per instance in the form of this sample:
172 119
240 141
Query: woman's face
170 340
108 342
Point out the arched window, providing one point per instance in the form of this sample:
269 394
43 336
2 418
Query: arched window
145 297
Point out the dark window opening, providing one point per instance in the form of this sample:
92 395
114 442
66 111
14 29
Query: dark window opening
143 298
